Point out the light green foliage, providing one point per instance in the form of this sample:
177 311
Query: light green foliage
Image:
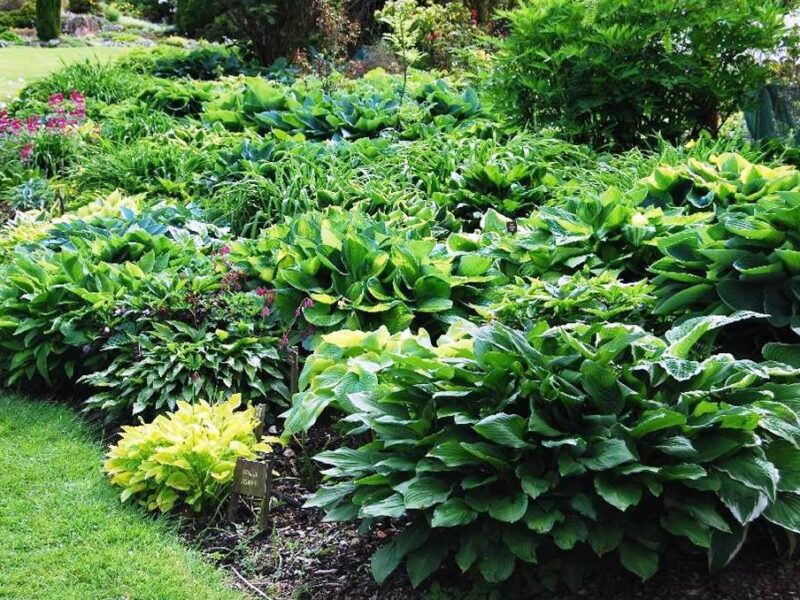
359 272
506 452
186 457
603 298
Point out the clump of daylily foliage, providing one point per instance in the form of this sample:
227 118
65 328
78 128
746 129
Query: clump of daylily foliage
551 360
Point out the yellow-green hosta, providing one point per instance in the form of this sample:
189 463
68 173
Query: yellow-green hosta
185 457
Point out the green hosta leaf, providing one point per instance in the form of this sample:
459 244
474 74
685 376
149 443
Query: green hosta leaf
725 547
388 557
452 513
392 507
785 512
570 532
521 542
680 524
422 492
424 561
532 484
638 559
745 503
620 494
503 429
607 455
497 564
786 458
752 470
509 509
656 420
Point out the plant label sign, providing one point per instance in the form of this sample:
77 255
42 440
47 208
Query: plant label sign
253 480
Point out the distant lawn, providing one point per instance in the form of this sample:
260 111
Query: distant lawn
19 66
63 533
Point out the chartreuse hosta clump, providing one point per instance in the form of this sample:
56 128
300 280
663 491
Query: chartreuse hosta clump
726 179
545 454
185 458
358 272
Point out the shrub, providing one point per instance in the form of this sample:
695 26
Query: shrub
85 6
554 454
192 16
184 458
48 19
616 72
19 15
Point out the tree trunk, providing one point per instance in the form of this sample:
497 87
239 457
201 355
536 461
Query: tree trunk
48 19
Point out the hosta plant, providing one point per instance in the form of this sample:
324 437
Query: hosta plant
593 233
340 269
603 298
548 454
749 259
726 179
172 361
185 458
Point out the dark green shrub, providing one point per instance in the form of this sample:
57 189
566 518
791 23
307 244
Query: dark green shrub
84 6
192 16
48 19
23 16
585 446
617 71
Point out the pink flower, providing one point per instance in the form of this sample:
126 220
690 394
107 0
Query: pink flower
26 152
261 291
55 101
265 312
224 251
284 341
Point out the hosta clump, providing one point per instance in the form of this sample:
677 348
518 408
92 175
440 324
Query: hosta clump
582 298
551 454
726 179
749 259
58 294
172 361
185 458
371 106
593 233
342 269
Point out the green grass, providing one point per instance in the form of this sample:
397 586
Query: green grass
20 66
64 534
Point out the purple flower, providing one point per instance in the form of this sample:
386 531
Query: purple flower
225 250
265 312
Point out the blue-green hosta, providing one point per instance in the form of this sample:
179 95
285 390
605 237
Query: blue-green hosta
507 453
306 111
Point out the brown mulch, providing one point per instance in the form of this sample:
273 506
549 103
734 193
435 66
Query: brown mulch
303 557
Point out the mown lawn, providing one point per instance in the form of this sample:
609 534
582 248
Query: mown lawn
63 533
19 66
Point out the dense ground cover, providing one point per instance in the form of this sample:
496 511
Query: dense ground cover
63 533
20 66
